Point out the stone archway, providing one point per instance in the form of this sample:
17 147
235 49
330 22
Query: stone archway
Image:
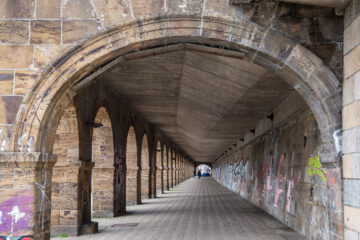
40 113
145 168
132 168
103 171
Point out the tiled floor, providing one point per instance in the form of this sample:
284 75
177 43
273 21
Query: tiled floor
196 209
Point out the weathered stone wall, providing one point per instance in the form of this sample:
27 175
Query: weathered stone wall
65 177
103 171
279 169
351 121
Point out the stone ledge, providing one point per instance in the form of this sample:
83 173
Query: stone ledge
24 159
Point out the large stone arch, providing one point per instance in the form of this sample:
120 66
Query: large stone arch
294 63
41 110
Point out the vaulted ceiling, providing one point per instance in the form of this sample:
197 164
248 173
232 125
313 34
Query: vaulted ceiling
203 102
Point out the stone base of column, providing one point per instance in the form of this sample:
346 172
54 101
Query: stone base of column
102 214
58 231
89 228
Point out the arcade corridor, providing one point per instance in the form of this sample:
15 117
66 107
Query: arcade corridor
108 107
196 209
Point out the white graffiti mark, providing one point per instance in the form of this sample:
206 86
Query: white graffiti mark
44 200
15 216
28 148
268 182
165 6
20 140
279 179
291 185
3 145
0 217
338 140
183 5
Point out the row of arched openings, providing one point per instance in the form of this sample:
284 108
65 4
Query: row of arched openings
140 178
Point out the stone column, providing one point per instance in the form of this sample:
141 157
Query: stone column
145 175
64 199
120 189
351 121
85 171
25 201
131 184
158 174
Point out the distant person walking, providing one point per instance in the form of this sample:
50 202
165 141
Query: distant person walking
199 173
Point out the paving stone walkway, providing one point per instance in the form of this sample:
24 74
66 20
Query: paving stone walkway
196 209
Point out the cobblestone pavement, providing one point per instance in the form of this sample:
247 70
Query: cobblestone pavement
196 209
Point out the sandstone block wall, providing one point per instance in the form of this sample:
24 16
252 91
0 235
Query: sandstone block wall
351 121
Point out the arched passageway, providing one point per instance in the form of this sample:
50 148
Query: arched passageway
65 176
103 178
257 75
132 169
145 169
205 170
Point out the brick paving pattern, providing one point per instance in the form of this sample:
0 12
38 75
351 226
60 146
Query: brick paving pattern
196 209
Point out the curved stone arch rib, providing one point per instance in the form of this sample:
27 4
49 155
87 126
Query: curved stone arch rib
295 64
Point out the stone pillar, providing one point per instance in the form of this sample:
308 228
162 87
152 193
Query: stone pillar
145 174
172 172
120 189
175 171
25 201
158 174
152 182
103 192
167 178
64 200
85 172
131 185
351 121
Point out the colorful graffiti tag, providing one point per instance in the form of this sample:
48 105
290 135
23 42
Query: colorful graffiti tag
15 214
315 167
17 238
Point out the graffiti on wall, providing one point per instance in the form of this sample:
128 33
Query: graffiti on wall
315 167
290 184
279 179
17 238
16 213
